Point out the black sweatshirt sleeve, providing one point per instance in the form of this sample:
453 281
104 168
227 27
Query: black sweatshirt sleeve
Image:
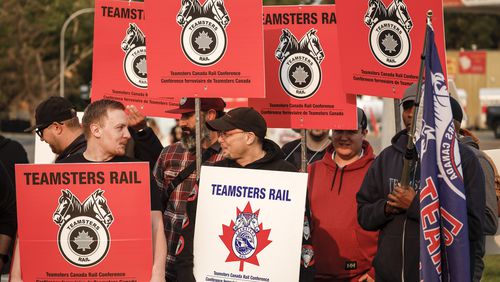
372 200
475 194
8 216
147 146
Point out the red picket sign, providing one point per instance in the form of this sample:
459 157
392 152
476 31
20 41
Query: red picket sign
81 221
210 48
119 65
303 80
381 42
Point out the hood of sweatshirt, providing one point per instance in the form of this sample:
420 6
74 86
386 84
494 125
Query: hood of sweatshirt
273 159
400 140
468 141
338 172
4 141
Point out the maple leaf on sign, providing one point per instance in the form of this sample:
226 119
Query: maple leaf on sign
389 43
142 67
203 41
83 241
300 75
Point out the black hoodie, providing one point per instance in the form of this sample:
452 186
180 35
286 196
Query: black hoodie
11 153
273 160
392 263
8 222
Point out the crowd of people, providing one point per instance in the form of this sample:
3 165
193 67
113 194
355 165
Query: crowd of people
360 223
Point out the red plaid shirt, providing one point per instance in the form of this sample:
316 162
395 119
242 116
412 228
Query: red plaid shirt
173 159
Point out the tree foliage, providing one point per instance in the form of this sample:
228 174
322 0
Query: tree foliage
29 53
30 32
464 30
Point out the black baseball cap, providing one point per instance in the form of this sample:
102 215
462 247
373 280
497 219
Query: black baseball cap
187 105
362 120
54 109
246 119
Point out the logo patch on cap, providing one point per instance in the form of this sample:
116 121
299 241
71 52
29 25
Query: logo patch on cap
183 101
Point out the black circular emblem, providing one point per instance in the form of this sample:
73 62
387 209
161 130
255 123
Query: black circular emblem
201 47
390 35
137 69
83 240
204 41
390 43
303 80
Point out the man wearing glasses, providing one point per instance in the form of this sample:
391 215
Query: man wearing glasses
58 126
242 133
344 251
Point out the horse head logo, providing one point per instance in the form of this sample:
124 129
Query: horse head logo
183 16
134 37
286 39
94 206
100 208
397 11
376 11
240 222
68 206
220 13
315 49
191 9
247 220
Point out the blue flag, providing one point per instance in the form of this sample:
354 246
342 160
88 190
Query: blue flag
444 239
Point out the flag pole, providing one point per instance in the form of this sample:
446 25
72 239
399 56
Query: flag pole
197 110
407 163
303 153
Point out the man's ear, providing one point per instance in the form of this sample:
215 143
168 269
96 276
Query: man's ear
251 138
58 128
211 115
364 132
95 130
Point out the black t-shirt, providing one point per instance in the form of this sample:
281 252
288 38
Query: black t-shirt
293 153
153 188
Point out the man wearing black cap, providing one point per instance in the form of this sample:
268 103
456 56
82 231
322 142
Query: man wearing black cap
394 211
491 206
175 170
105 129
58 126
242 134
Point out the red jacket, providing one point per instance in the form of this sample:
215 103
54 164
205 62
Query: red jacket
343 250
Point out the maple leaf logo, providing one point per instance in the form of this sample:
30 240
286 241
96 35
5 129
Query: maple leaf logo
229 232
300 75
203 41
142 67
83 240
389 43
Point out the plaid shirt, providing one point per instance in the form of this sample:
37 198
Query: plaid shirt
173 159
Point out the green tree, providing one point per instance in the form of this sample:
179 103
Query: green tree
464 29
29 53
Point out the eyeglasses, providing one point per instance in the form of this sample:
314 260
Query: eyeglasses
226 134
39 130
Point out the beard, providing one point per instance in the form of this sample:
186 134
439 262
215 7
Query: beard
318 135
188 139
